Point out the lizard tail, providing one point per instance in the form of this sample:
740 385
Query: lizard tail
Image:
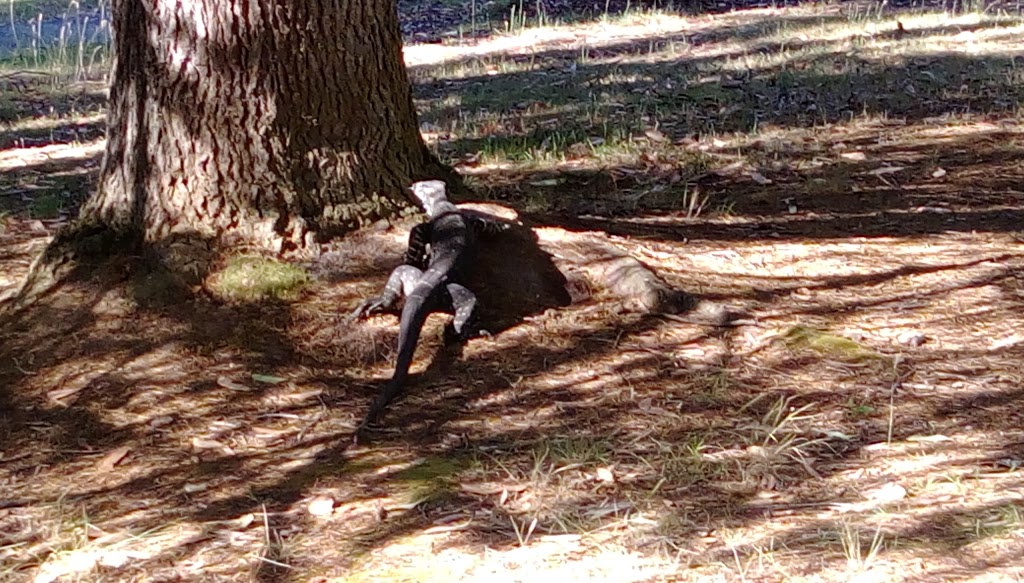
414 314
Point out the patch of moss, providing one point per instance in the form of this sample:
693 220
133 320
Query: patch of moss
827 344
249 278
430 480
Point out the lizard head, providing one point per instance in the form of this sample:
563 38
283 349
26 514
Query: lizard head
431 196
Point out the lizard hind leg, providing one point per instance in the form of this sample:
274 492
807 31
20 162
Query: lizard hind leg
463 304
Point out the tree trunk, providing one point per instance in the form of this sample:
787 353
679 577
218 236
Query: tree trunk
257 122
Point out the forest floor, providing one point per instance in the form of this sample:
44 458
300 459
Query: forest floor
849 182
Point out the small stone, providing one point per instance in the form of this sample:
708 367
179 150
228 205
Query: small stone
912 338
321 506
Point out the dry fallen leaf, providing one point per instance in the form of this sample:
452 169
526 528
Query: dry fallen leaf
268 379
885 170
244 520
548 182
231 385
937 438
731 169
203 443
59 394
161 421
655 136
605 475
113 458
94 532
488 488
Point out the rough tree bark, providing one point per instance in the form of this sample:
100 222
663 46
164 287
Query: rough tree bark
261 122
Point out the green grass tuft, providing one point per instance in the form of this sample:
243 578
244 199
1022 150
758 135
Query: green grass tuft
248 278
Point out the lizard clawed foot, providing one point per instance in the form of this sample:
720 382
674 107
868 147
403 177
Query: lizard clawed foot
370 423
453 336
368 308
366 427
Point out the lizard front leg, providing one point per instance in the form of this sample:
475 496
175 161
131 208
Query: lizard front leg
400 283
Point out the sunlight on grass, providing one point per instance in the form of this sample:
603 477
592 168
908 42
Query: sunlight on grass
535 39
691 88
50 123
27 157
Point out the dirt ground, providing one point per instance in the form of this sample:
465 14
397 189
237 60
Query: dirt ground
861 419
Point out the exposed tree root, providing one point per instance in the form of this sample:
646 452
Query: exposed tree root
79 249
74 250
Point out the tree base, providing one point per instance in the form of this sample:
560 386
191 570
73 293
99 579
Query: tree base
85 249
74 251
